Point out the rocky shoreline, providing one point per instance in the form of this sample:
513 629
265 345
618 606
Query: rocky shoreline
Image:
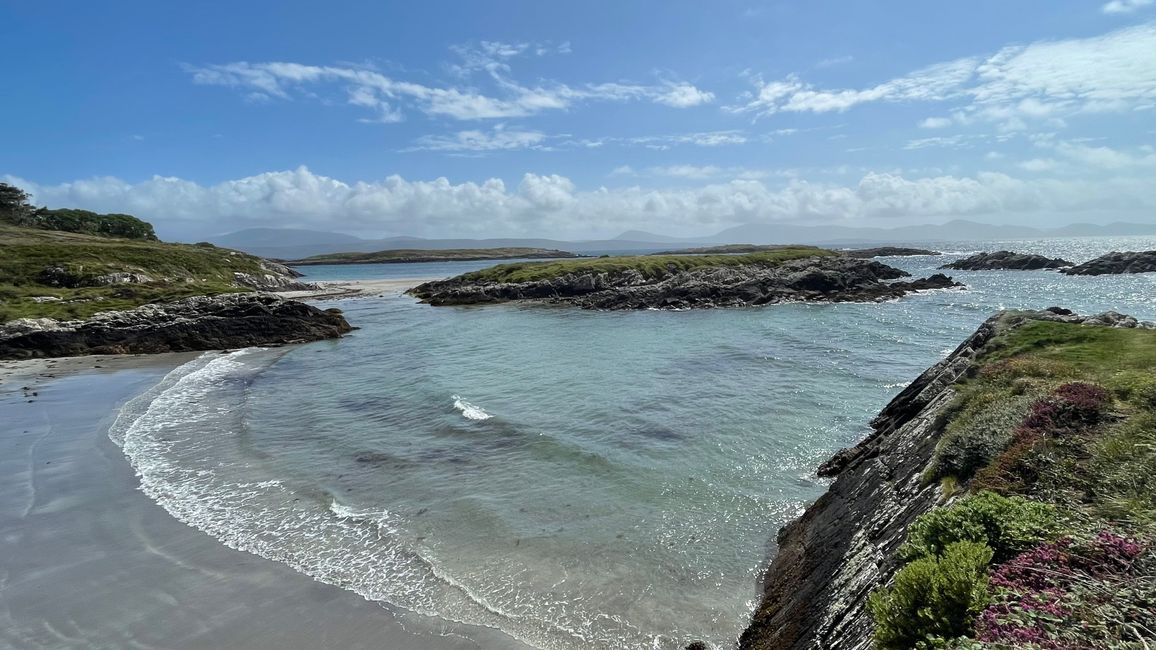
811 279
1116 263
844 545
1006 260
197 323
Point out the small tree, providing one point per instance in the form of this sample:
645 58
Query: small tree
14 205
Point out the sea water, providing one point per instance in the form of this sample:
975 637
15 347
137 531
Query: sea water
578 479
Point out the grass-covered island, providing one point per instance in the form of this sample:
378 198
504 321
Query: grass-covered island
407 255
796 273
76 282
1006 499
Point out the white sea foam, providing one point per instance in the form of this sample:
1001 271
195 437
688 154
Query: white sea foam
180 437
470 411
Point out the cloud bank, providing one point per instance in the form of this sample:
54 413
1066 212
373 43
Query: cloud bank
552 205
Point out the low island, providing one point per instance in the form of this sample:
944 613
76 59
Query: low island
409 256
784 274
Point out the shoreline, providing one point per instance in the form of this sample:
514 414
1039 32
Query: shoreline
341 289
67 491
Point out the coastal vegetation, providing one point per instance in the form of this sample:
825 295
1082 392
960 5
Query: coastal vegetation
1048 538
421 255
56 274
651 267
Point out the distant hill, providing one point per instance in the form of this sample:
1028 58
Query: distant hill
293 244
402 256
958 230
278 237
269 244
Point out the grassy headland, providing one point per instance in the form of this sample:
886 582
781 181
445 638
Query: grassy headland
421 255
1049 451
30 257
650 266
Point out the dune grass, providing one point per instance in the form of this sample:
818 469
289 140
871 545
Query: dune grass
652 267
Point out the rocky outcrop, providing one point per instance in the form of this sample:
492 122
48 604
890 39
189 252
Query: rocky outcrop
1006 260
198 323
1141 262
889 251
273 277
815 279
844 545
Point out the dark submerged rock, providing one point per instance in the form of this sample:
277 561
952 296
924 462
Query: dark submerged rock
1006 260
813 279
197 323
1115 262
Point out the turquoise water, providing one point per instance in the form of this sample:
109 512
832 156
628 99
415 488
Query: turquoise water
578 479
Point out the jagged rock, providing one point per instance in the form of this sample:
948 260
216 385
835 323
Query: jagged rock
889 251
272 282
1006 260
844 545
197 323
823 279
120 278
1113 263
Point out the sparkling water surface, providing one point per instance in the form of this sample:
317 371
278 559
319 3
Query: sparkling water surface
576 478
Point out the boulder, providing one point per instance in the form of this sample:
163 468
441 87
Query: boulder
1114 263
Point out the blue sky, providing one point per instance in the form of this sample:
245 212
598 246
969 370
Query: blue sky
584 119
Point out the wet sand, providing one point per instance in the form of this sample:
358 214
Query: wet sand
87 561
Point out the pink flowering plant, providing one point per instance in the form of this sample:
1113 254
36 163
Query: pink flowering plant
1070 595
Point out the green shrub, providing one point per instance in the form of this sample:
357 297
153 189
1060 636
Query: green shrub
122 226
974 439
1009 525
934 599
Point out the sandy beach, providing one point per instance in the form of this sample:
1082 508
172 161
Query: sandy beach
337 289
87 561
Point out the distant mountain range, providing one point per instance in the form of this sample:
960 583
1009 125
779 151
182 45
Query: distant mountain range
290 243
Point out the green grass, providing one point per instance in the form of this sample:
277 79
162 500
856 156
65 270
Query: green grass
1093 352
652 267
1107 468
179 270
420 255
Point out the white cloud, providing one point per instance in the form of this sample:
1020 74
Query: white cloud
834 61
1041 80
1125 6
497 139
1038 165
552 204
935 123
668 141
684 95
386 96
687 171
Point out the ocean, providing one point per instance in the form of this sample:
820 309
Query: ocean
577 479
